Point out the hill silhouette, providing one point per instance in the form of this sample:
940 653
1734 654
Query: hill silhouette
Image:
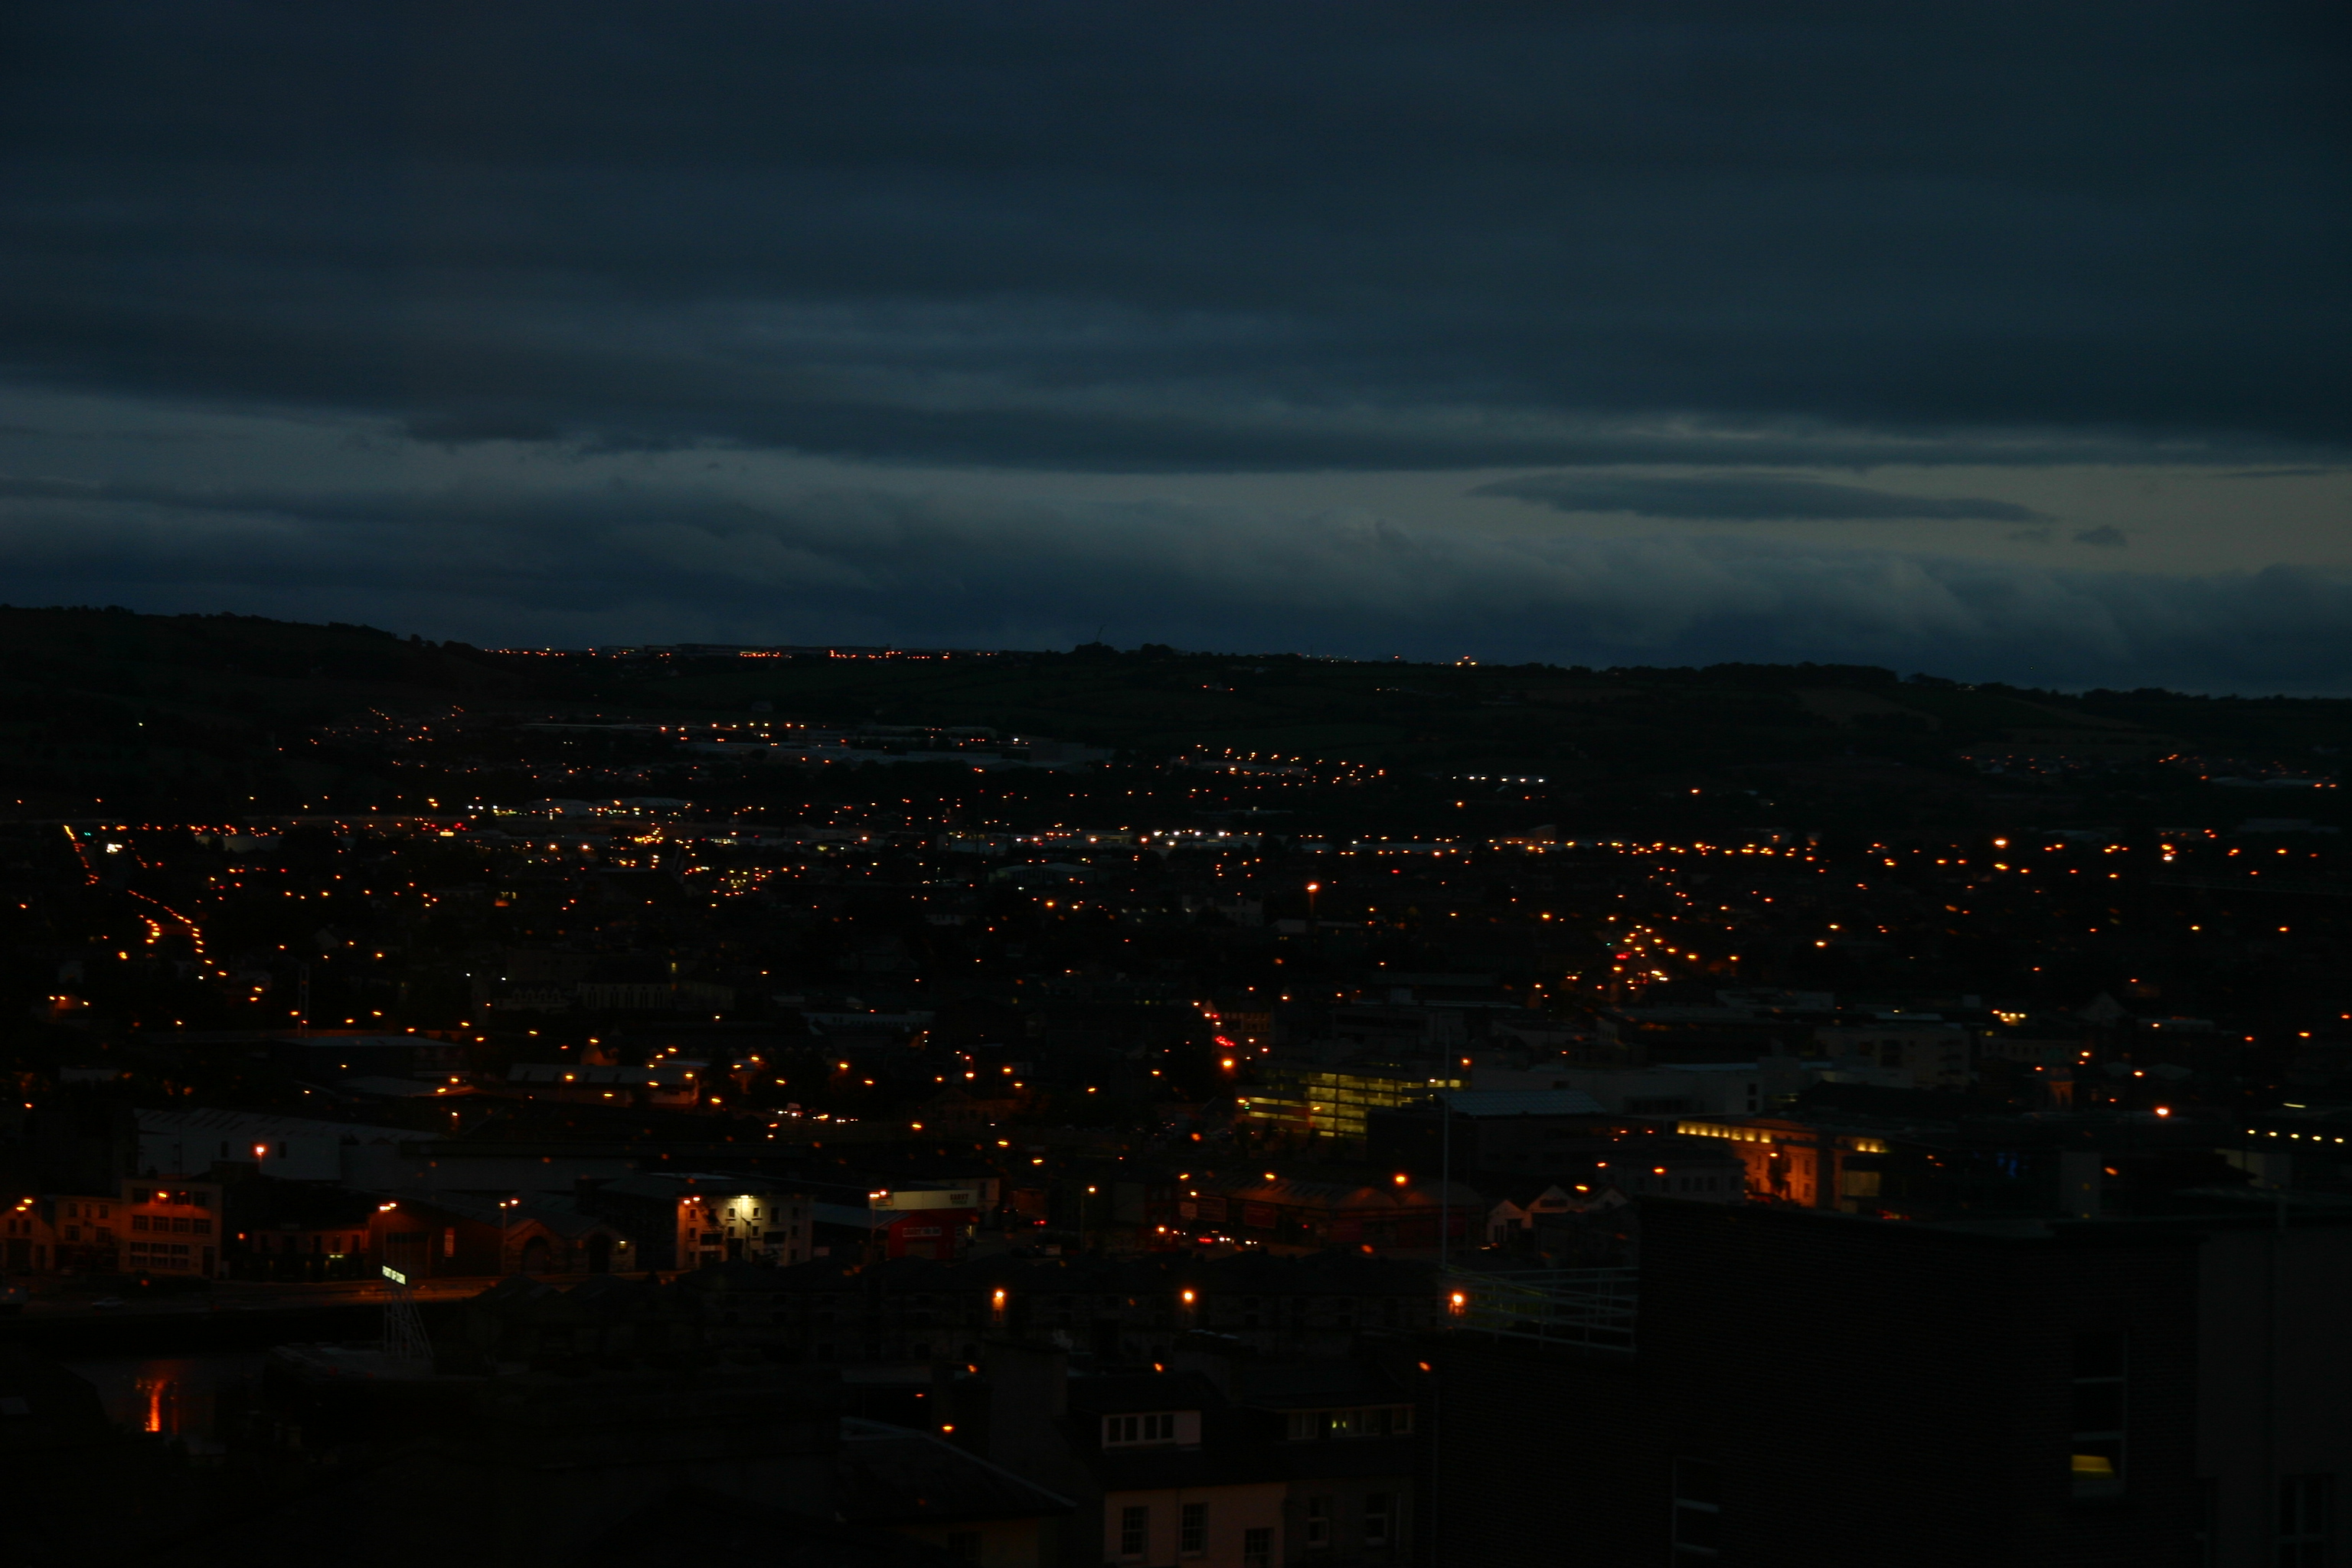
105 709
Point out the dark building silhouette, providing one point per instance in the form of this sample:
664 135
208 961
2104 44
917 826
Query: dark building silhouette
1801 1388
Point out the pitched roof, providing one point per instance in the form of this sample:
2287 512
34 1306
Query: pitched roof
1142 1391
895 1475
1313 1384
244 1126
1524 1194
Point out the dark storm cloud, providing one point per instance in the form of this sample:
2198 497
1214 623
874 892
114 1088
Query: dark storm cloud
2282 474
1758 498
1203 236
1736 239
621 563
457 429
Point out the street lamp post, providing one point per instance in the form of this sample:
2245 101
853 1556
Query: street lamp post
1444 1184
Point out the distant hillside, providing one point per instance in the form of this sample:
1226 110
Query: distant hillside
108 705
1157 702
218 711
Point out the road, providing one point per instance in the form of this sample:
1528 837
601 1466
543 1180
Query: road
243 1296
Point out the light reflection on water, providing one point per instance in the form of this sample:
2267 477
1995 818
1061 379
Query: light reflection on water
176 1396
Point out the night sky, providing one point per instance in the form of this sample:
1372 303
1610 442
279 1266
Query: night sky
1996 341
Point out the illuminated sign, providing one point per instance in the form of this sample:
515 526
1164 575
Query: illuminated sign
917 1199
395 1274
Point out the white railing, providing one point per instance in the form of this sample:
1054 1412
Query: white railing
1593 1308
404 1341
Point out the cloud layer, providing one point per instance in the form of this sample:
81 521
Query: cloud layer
1171 237
864 566
1724 268
1767 498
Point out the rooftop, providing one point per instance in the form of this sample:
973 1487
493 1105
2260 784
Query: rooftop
895 1476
